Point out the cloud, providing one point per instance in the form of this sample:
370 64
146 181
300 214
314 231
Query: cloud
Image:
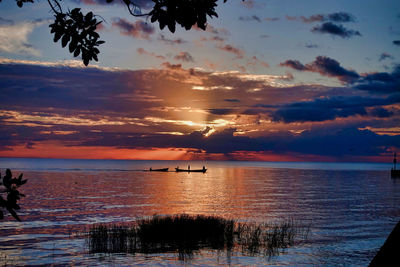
142 51
291 18
14 37
250 18
254 61
335 29
232 100
340 17
184 56
168 65
221 111
311 46
381 112
138 29
250 4
384 56
329 67
146 4
380 82
271 19
294 64
167 41
6 21
231 49
329 109
325 66
157 108
335 143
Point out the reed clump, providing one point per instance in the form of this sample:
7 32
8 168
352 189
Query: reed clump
187 233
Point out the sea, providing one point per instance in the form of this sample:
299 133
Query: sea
351 208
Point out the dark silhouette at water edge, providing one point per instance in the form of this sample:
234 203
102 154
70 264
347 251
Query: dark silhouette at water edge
388 254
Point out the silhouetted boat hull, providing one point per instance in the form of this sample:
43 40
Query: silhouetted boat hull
183 170
395 173
159 170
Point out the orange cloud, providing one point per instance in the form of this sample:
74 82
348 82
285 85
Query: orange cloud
61 151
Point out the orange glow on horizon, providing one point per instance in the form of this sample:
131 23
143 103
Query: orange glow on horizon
55 150
44 150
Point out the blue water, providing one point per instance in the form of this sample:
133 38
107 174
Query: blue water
352 208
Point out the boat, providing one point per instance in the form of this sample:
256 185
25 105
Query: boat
189 170
159 170
394 173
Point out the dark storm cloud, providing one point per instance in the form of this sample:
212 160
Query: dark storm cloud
325 66
221 111
331 108
340 142
381 82
335 29
324 141
381 112
33 86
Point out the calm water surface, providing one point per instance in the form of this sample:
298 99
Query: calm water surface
352 208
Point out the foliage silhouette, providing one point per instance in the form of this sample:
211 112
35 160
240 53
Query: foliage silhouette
13 195
79 30
185 234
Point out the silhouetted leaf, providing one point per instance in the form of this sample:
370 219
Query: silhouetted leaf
86 61
57 36
13 195
65 40
89 16
13 213
171 26
72 47
77 51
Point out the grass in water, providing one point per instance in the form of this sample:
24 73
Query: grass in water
187 233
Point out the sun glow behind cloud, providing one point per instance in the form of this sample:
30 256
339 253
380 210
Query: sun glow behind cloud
277 94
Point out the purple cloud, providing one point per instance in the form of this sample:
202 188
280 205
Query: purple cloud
325 66
184 56
340 17
138 29
250 18
335 29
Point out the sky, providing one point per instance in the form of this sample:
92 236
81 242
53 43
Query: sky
269 80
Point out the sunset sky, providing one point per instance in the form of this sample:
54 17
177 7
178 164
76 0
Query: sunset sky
276 80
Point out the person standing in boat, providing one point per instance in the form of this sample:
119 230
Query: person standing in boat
204 168
188 167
